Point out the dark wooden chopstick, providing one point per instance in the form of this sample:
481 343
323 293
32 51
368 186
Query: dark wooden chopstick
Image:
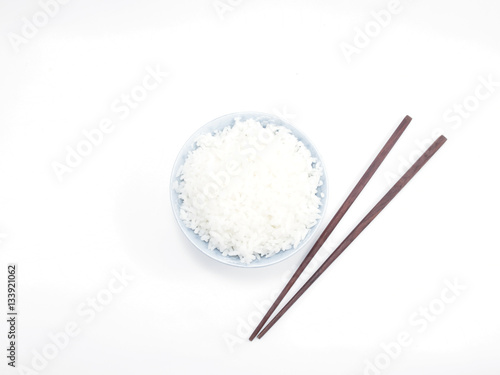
336 219
361 226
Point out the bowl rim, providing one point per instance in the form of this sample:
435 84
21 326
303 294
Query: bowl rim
212 253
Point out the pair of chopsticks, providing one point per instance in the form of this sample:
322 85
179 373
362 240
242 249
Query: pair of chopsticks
398 186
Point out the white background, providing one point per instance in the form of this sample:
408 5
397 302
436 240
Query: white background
184 313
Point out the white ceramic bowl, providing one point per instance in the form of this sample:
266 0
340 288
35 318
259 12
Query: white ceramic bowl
219 124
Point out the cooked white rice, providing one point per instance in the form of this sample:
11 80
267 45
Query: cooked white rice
250 190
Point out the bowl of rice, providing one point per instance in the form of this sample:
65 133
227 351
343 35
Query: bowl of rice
248 189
